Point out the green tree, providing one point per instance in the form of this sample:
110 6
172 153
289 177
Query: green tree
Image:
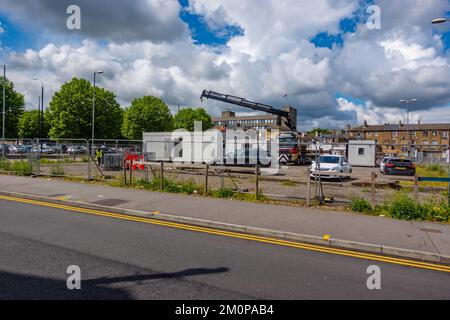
320 131
146 114
69 114
15 105
28 126
186 118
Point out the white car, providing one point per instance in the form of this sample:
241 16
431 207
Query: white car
329 164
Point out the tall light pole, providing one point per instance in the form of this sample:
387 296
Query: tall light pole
4 112
41 107
408 101
93 113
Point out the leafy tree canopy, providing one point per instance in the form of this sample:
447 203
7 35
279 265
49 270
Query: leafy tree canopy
69 114
320 131
186 118
146 114
28 126
15 106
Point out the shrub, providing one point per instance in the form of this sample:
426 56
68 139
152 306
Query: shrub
436 167
223 193
360 205
20 168
402 207
171 186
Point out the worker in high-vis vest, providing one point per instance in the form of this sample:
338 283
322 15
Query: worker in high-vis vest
99 156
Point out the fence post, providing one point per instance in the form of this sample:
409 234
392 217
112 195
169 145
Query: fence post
257 181
124 171
374 176
308 181
162 176
448 190
89 160
206 179
131 172
416 187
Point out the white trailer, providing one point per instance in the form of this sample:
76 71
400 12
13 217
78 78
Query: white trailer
183 146
362 153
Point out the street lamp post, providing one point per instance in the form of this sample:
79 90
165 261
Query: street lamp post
408 101
4 112
41 107
93 113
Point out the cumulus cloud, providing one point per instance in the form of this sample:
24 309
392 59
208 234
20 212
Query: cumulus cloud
113 20
272 56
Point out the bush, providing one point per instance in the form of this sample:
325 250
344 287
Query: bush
436 167
171 186
223 193
20 168
360 205
403 207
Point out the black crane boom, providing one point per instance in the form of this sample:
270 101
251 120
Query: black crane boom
251 105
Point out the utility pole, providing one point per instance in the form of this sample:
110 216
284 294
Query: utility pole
4 112
408 101
93 115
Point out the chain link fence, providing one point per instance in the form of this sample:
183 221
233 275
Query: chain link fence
240 168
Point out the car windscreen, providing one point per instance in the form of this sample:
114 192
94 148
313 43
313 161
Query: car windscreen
401 162
329 159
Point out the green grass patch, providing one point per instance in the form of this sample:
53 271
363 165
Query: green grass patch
20 168
401 206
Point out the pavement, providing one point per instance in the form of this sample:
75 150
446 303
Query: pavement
122 259
419 240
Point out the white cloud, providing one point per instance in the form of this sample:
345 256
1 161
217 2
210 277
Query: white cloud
271 58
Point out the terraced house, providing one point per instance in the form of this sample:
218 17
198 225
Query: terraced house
421 141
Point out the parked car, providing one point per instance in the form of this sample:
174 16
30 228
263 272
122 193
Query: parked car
399 167
18 149
329 164
44 150
77 150
383 163
6 148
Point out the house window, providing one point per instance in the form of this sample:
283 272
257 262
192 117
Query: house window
369 134
445 134
413 133
361 151
425 133
434 142
435 133
395 134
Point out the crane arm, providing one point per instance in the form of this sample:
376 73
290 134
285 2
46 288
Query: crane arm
251 105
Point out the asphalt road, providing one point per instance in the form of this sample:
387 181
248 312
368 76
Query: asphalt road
131 260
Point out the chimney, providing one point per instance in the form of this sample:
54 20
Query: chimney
365 123
418 122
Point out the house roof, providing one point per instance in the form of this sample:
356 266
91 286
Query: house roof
403 127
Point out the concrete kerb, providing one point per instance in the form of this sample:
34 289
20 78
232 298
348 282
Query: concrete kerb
308 239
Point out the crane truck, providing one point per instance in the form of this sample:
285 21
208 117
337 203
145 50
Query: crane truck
291 150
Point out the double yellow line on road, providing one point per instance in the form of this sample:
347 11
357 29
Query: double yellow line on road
284 243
